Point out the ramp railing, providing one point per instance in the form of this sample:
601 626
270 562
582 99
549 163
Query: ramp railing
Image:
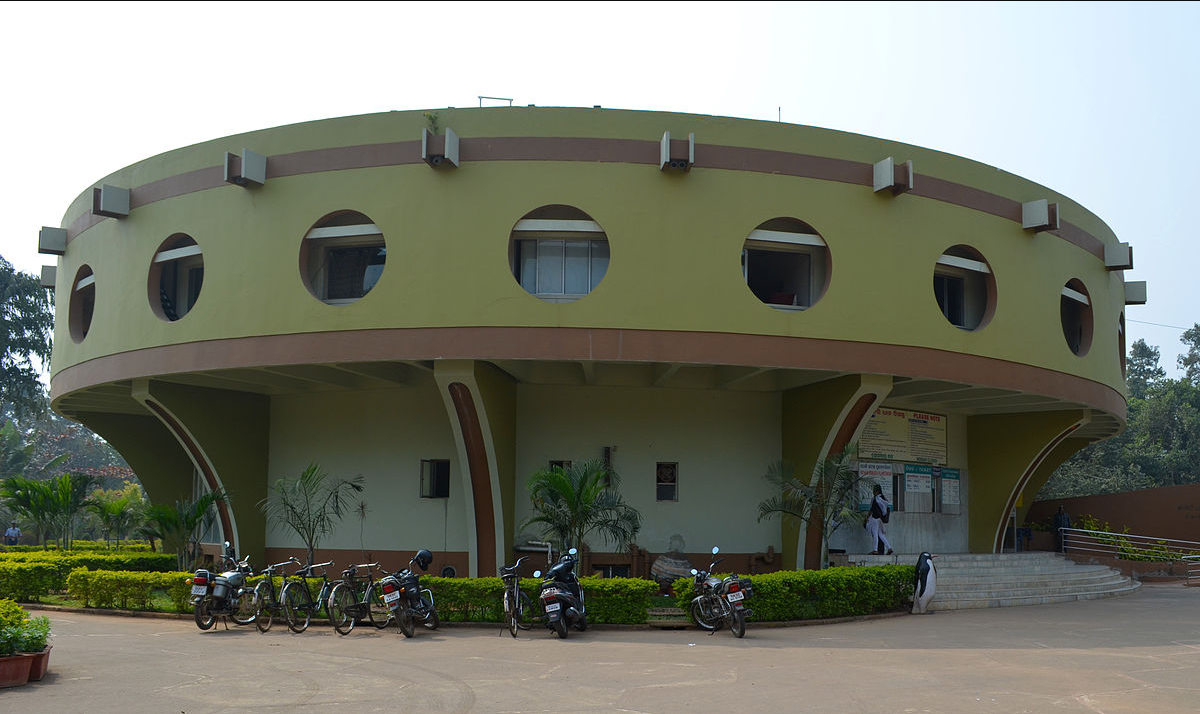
1130 546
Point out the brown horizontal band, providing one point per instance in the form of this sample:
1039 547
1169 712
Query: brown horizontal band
591 150
585 344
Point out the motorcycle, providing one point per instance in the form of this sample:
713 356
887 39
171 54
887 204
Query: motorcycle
405 599
224 594
720 601
562 597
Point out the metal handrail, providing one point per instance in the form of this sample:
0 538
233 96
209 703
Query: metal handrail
1130 546
1193 568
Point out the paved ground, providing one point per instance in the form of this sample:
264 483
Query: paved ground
1139 653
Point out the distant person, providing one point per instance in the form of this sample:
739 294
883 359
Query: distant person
1061 520
12 535
879 514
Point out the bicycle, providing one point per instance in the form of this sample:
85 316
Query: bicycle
297 599
355 598
267 604
516 602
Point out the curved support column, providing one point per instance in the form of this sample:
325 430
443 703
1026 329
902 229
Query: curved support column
1005 453
1066 449
481 403
226 436
820 420
150 449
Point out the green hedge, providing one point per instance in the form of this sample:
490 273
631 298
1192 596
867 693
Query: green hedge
28 581
127 590
126 546
34 582
818 594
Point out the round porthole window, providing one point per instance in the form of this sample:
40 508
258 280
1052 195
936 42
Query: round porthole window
342 257
786 264
1075 310
83 303
176 275
964 287
558 253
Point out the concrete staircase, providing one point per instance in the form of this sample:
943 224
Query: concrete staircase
974 580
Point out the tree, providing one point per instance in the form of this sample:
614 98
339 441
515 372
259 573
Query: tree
178 525
116 511
570 503
1190 362
828 498
311 505
26 325
71 495
1142 371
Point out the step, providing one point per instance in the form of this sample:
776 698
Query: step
667 618
966 603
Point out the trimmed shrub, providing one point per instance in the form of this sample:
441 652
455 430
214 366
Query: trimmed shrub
63 564
127 590
88 546
28 581
819 594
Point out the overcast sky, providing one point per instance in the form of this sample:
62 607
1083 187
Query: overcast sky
1095 100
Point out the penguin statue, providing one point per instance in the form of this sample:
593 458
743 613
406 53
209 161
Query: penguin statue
926 584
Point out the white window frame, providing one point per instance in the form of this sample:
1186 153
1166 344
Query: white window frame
808 244
543 231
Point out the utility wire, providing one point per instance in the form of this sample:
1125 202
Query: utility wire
1158 324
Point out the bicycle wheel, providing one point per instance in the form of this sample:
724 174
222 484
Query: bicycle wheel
510 613
245 608
297 606
341 604
523 607
264 601
377 610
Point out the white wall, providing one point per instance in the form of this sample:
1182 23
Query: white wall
723 442
382 435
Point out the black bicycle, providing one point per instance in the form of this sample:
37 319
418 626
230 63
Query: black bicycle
516 602
298 604
267 603
356 598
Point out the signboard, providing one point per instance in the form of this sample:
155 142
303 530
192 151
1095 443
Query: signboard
880 473
951 482
904 435
918 479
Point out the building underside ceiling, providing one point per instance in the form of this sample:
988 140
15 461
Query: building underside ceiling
920 394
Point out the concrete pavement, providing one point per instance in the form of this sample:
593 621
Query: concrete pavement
1139 653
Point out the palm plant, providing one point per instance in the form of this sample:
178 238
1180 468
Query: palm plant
829 498
310 505
570 503
72 494
33 500
115 512
178 525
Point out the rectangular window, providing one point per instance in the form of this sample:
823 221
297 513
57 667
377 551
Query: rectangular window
435 478
780 277
612 571
352 272
563 464
950 297
561 267
666 481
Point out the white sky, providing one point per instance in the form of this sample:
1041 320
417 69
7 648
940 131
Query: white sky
1095 100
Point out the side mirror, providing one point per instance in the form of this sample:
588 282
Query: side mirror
694 571
716 550
537 573
572 551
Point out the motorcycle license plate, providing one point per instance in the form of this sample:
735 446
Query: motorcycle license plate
199 589
736 597
553 607
390 598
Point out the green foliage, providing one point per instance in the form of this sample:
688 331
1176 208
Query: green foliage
26 326
28 581
829 497
1161 442
11 614
82 546
818 594
311 505
617 600
583 498
177 525
32 575
128 590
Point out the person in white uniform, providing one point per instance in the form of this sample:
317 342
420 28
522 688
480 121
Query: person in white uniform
880 510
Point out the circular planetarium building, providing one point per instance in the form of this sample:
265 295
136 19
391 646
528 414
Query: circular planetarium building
446 302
